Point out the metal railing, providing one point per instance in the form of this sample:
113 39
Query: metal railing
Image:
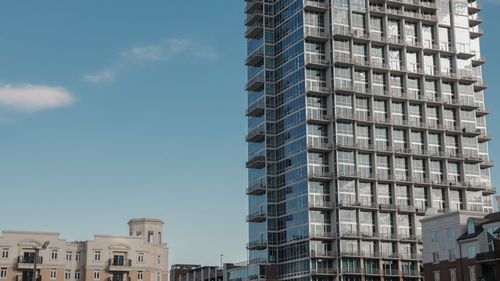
120 262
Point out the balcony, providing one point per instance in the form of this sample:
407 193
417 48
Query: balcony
323 271
256 109
488 257
406 208
317 88
349 234
372 271
390 236
257 162
480 86
28 262
477 61
316 61
256 189
474 7
256 135
254 31
390 207
320 176
312 117
320 205
253 5
475 21
476 32
322 254
120 264
319 147
254 18
482 111
410 273
257 245
322 235
392 272
119 279
315 6
256 82
315 34
487 164
489 190
343 59
349 203
355 270
484 137
258 216
429 5
357 254
255 58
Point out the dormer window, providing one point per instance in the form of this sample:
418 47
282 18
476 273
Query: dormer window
470 226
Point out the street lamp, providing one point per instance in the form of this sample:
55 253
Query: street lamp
37 251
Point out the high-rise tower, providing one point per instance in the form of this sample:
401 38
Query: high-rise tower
362 114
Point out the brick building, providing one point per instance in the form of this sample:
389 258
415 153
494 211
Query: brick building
461 246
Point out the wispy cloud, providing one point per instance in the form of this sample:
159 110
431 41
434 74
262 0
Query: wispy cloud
32 98
103 76
162 51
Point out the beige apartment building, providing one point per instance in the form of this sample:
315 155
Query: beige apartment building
141 256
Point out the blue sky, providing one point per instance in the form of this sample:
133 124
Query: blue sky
139 113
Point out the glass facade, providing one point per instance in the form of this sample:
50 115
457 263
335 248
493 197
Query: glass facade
361 115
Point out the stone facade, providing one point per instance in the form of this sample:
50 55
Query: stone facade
141 256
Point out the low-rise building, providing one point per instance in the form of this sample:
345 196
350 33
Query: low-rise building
251 271
141 256
180 269
196 273
461 246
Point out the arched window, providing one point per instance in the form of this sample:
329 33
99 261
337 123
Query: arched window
470 226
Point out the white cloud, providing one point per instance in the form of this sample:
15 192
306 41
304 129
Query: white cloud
106 75
32 98
162 51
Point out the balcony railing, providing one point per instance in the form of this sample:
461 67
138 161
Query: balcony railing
256 189
410 272
488 256
392 272
315 33
256 109
316 60
257 245
254 30
355 270
323 271
315 6
322 235
320 175
322 118
257 162
256 135
372 271
29 260
124 262
318 146
315 204
316 87
253 5
258 216
255 57
322 254
256 82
